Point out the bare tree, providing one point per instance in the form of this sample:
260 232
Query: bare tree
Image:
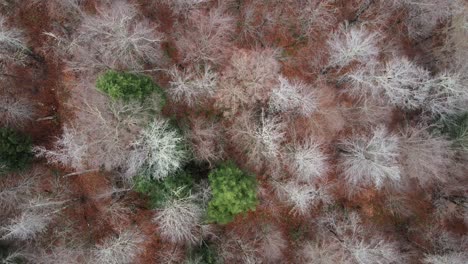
447 94
303 197
308 161
121 249
272 243
56 254
12 43
160 150
205 37
184 7
447 247
317 16
367 112
205 137
103 131
449 258
351 240
13 257
192 85
115 38
452 54
179 221
294 97
34 219
240 247
401 81
15 112
16 189
61 9
350 44
27 226
424 156
424 15
69 150
261 139
321 252
248 80
371 159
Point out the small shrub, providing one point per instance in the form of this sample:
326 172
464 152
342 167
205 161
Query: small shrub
124 85
233 193
15 150
160 191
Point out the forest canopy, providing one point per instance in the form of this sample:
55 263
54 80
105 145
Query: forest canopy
226 131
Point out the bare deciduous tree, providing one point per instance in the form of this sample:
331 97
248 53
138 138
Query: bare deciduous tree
57 255
308 161
351 240
27 226
368 112
449 258
205 137
206 36
370 159
303 197
15 189
424 156
240 248
115 38
447 247
447 94
15 112
260 139
350 44
103 131
317 16
192 85
272 243
160 150
122 249
184 7
179 221
62 9
452 54
294 97
401 81
12 43
424 15
34 219
69 150
323 252
248 80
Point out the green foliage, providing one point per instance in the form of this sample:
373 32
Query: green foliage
160 191
15 150
126 86
233 193
456 127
